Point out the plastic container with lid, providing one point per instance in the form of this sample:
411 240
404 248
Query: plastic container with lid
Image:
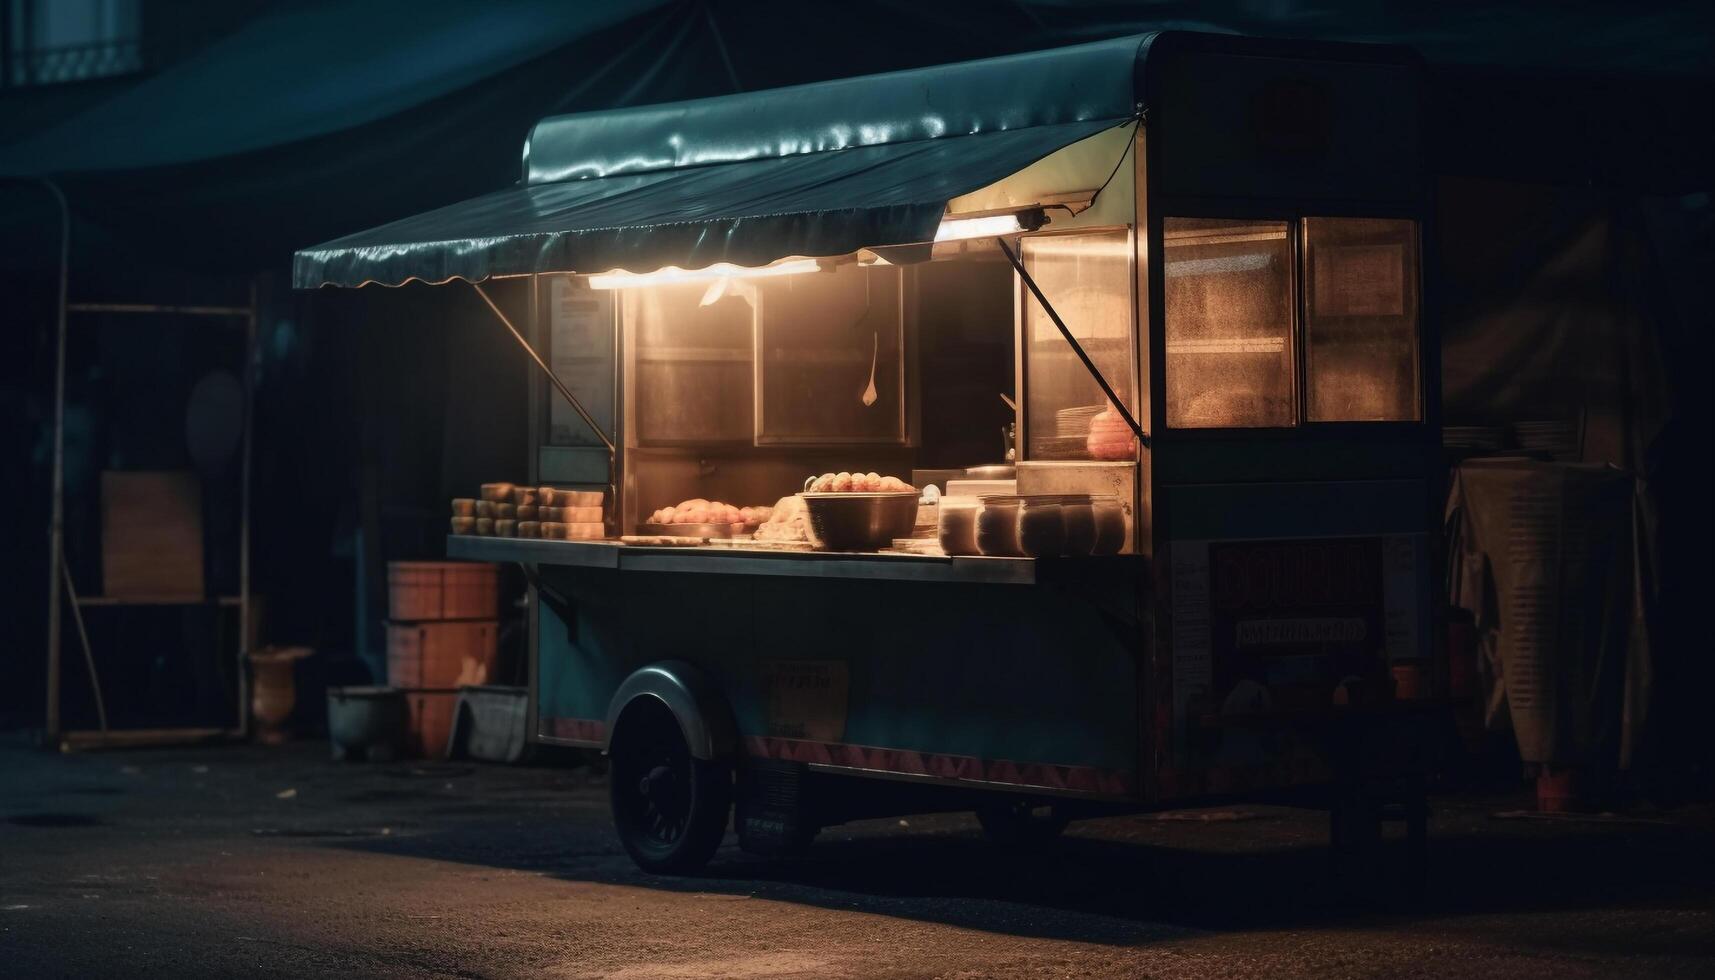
1109 519
1041 526
956 525
997 527
1077 514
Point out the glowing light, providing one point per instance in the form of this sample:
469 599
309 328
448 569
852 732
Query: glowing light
719 271
959 229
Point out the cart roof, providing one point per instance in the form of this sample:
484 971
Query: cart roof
812 170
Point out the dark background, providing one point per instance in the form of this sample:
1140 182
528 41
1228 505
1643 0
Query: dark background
1574 169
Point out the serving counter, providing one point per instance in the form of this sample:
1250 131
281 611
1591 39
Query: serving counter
733 560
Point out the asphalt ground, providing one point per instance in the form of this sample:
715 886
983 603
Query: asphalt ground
244 861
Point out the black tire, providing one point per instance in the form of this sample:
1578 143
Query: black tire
669 809
1021 822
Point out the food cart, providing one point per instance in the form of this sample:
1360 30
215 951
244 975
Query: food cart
1194 265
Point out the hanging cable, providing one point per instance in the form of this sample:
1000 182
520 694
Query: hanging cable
1131 141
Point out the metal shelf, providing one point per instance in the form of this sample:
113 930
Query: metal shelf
242 317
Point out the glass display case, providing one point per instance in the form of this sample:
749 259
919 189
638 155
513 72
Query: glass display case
580 339
1360 320
830 357
691 378
1088 278
1229 337
1260 334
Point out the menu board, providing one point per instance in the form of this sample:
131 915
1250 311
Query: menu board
580 351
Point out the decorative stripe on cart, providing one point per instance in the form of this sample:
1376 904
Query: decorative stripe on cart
1069 779
1072 779
578 729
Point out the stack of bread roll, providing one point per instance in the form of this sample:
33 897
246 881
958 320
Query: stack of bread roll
508 511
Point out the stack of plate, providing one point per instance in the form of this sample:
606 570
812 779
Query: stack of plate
1074 422
1476 440
1555 438
981 488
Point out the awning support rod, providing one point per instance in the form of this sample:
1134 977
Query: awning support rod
559 385
1077 348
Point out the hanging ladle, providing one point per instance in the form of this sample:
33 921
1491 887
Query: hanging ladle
869 394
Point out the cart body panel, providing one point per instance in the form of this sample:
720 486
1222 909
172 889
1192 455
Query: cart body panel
1028 687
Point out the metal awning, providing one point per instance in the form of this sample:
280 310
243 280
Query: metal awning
815 170
748 213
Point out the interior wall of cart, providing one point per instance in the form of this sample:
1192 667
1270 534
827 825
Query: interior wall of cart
1575 239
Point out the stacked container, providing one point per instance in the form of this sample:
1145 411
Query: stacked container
1032 525
442 634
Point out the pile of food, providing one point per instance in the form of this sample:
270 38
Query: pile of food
1110 437
700 511
508 511
856 483
788 520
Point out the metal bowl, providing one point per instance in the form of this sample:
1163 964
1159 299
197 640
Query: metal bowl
860 521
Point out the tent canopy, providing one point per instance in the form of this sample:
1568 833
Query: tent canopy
304 71
815 170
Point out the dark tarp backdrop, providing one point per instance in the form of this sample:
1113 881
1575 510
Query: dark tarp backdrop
1575 240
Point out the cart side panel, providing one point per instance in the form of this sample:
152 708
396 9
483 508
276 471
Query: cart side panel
1290 605
1029 686
582 653
1285 124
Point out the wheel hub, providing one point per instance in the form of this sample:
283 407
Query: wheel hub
657 785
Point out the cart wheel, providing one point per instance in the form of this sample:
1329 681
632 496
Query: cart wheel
1021 821
669 807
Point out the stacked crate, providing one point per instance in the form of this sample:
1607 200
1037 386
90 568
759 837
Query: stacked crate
549 513
442 634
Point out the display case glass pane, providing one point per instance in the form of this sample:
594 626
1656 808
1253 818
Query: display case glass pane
1088 280
580 350
692 369
830 355
1228 300
1361 316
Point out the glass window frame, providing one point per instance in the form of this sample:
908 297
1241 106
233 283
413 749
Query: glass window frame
1295 331
1023 299
1301 257
901 435
1296 230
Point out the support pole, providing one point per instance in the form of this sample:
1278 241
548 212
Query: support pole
553 378
1077 348
56 513
249 375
